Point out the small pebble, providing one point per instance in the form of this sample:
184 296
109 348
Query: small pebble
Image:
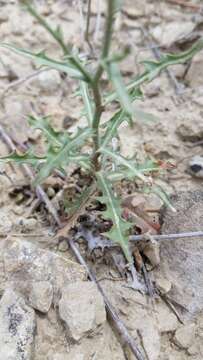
28 224
196 166
63 246
51 192
184 336
18 210
163 285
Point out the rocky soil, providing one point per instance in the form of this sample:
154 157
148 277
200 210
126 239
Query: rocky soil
49 310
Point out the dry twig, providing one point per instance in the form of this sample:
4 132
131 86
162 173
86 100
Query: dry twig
189 5
98 21
87 30
120 326
20 81
168 236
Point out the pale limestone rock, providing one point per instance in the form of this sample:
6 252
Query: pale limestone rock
82 309
63 246
103 346
166 319
65 356
41 295
152 252
195 72
194 349
188 130
181 259
29 269
167 34
50 337
48 81
185 335
163 285
151 341
17 327
5 221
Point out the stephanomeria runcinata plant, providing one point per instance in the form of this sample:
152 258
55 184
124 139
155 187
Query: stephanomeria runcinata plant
64 148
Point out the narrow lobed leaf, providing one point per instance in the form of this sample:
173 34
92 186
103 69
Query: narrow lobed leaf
148 167
153 68
81 199
84 91
53 137
118 83
156 189
22 158
112 127
127 163
44 60
59 158
120 227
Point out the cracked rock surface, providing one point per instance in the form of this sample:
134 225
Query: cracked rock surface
17 327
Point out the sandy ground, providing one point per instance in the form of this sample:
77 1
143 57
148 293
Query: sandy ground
176 100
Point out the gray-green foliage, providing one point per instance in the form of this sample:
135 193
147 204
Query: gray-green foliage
63 148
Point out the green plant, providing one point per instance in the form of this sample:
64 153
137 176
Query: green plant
64 148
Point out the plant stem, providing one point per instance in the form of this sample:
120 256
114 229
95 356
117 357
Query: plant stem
96 80
95 124
107 39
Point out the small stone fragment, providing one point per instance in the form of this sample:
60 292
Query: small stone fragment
166 319
168 34
188 130
65 356
163 285
29 268
82 309
152 252
51 192
48 81
5 222
196 166
3 15
195 72
26 224
151 341
185 336
194 349
63 246
181 259
41 295
17 327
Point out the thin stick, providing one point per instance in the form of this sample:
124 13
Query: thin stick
191 6
39 190
171 306
22 80
167 236
82 21
120 326
86 35
98 21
